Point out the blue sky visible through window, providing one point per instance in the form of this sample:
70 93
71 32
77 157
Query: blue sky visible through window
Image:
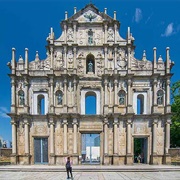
90 104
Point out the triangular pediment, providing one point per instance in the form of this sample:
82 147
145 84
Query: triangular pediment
90 14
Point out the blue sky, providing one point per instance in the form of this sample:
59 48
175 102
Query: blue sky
26 24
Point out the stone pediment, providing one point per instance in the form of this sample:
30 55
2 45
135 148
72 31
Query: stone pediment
90 14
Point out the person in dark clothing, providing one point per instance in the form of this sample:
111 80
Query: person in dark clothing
69 168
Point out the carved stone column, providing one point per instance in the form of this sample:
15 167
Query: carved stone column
65 33
75 28
74 51
129 159
65 135
65 94
13 95
168 106
52 142
115 92
129 106
115 136
65 57
106 158
75 96
105 93
155 95
115 59
105 34
75 135
106 63
26 107
52 59
129 58
14 142
154 159
167 157
51 95
27 142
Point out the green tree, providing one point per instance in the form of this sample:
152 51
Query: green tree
175 126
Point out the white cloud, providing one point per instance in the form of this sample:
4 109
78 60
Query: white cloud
169 30
138 15
3 111
149 18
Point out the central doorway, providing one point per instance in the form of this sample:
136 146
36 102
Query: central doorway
90 149
40 150
140 150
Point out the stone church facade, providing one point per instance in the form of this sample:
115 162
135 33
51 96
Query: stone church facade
90 59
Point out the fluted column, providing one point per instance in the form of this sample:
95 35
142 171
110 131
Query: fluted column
65 91
13 95
74 27
65 33
115 136
105 136
115 58
51 95
105 93
115 32
129 137
129 107
155 136
65 135
105 33
105 64
75 135
115 92
168 106
51 52
129 58
51 137
14 138
167 139
65 56
74 51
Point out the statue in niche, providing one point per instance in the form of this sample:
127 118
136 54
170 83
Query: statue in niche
90 66
21 98
110 35
59 99
160 97
122 99
70 60
70 34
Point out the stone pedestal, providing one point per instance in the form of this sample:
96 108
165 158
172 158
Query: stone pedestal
75 159
27 159
115 159
129 159
154 159
167 159
13 159
106 160
52 159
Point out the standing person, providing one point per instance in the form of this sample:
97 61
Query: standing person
69 167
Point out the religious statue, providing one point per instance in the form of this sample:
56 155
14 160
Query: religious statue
160 98
121 99
21 98
90 66
59 99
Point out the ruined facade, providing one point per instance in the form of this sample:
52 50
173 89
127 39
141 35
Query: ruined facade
49 109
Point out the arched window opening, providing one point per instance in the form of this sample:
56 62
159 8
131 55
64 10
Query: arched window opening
90 103
90 37
59 97
21 97
122 97
90 66
140 104
41 105
160 97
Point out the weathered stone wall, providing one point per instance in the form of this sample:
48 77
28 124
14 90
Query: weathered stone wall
5 152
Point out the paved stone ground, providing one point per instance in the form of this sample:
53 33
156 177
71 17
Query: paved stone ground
90 175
